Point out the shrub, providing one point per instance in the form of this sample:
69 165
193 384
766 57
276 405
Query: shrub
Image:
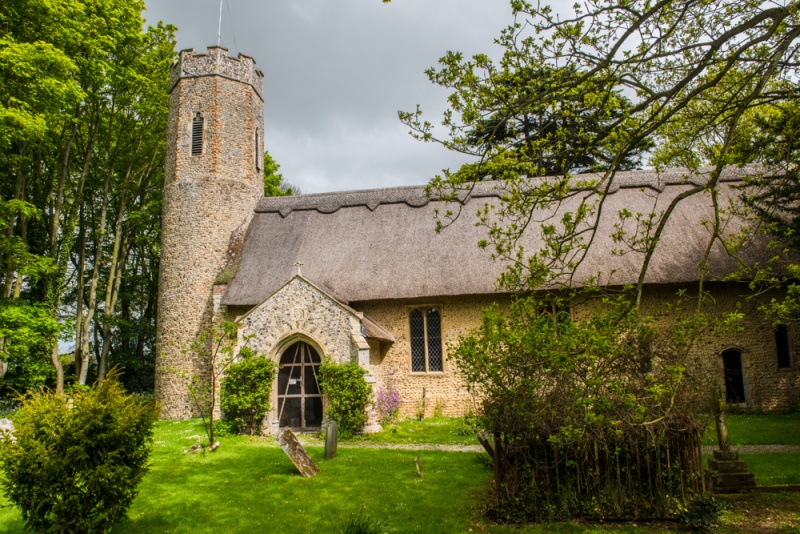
585 414
246 391
388 399
348 395
78 458
702 513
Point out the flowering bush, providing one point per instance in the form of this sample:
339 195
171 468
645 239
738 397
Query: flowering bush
388 399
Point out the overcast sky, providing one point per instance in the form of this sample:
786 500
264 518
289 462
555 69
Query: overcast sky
337 71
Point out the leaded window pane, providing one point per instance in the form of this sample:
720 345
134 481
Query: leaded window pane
434 340
417 327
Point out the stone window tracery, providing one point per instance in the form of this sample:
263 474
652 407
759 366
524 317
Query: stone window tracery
425 329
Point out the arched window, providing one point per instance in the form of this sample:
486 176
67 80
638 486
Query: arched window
197 135
425 328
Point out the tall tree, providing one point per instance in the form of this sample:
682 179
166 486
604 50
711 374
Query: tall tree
274 184
695 71
82 120
516 129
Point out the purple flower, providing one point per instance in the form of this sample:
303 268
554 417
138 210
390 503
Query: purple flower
388 399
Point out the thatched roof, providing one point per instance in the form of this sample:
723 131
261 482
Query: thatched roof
382 244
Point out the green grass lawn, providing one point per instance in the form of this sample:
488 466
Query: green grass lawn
249 485
439 430
772 429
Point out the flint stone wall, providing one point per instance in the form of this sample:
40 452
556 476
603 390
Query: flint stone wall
206 198
766 386
299 311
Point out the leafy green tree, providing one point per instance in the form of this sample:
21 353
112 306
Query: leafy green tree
695 72
513 129
274 184
573 404
83 107
24 327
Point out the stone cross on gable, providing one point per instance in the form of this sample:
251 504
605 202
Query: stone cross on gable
298 264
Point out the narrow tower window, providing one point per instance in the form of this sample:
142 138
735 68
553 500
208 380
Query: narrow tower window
782 346
258 159
197 135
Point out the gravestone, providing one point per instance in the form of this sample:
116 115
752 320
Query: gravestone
485 440
297 454
331 440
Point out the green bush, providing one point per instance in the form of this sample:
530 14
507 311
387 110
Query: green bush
348 395
77 458
702 513
246 392
572 406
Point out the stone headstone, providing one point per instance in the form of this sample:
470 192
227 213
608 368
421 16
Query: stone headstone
331 440
486 441
297 454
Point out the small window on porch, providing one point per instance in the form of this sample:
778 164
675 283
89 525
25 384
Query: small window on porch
425 327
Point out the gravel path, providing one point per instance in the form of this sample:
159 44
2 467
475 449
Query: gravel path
707 449
758 449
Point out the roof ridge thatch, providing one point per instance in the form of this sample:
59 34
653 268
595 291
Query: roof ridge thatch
416 196
395 252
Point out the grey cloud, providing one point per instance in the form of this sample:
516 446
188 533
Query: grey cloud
336 72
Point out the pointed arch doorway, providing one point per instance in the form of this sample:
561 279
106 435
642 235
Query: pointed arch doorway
299 394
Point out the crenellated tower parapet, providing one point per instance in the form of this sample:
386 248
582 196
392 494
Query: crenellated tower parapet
217 62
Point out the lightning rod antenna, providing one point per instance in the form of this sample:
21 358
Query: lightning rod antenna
219 25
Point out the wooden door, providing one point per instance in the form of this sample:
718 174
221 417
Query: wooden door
299 394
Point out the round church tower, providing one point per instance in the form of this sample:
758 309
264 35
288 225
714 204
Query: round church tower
212 183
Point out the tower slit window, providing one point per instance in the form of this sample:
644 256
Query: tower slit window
197 135
257 152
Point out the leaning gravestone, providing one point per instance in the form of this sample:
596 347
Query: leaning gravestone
485 440
297 454
331 440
